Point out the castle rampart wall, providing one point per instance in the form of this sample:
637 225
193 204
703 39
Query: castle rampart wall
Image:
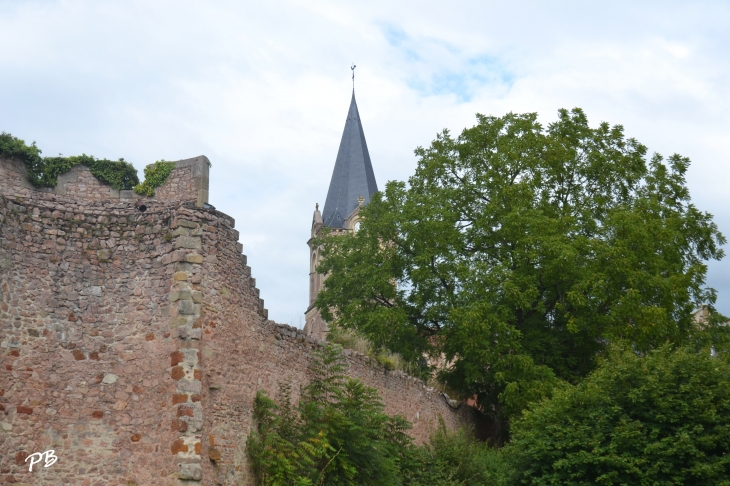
133 343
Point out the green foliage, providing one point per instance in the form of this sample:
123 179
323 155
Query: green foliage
361 344
517 252
154 176
44 171
339 435
662 419
455 458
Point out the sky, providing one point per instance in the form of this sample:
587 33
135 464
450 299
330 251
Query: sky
262 89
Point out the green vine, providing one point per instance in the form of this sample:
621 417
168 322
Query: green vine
154 176
44 171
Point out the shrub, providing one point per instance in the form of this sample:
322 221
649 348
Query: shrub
659 419
154 176
44 171
339 435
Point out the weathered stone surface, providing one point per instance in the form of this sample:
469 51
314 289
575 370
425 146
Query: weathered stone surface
185 307
190 242
194 258
179 295
190 471
187 224
109 378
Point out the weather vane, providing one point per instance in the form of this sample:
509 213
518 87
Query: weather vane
353 76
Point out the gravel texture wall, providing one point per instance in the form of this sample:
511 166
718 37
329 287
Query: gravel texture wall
133 343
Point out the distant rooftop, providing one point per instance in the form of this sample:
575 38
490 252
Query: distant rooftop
353 174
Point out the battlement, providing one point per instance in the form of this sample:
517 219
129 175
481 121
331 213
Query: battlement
188 182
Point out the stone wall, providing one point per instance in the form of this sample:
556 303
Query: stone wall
188 182
133 343
85 341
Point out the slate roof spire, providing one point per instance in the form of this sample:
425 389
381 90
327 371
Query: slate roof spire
353 174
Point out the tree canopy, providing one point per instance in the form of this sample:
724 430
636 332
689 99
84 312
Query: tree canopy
517 253
662 419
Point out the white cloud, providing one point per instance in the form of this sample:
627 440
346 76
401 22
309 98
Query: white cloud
262 88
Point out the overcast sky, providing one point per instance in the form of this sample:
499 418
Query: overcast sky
263 88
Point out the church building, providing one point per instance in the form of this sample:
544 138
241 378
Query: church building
352 184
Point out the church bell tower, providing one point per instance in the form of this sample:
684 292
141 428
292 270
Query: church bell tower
352 184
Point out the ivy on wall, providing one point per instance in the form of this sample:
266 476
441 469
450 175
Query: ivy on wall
154 176
44 171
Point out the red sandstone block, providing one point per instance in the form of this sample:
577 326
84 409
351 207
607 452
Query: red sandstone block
179 398
97 414
24 409
136 437
197 374
94 355
78 354
72 317
20 457
178 425
14 352
184 411
137 389
177 373
198 447
150 337
178 446
176 357
195 398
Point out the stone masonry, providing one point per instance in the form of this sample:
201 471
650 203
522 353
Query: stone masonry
133 342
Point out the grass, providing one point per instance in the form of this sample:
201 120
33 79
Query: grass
357 342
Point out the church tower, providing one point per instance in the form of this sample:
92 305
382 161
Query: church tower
352 184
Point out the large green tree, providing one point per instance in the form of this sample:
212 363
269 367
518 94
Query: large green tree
517 252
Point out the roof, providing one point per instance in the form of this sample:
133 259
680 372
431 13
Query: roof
353 174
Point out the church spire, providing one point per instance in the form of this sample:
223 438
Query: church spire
353 175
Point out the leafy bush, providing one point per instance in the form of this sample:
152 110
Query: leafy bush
660 419
339 435
455 458
154 176
44 171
